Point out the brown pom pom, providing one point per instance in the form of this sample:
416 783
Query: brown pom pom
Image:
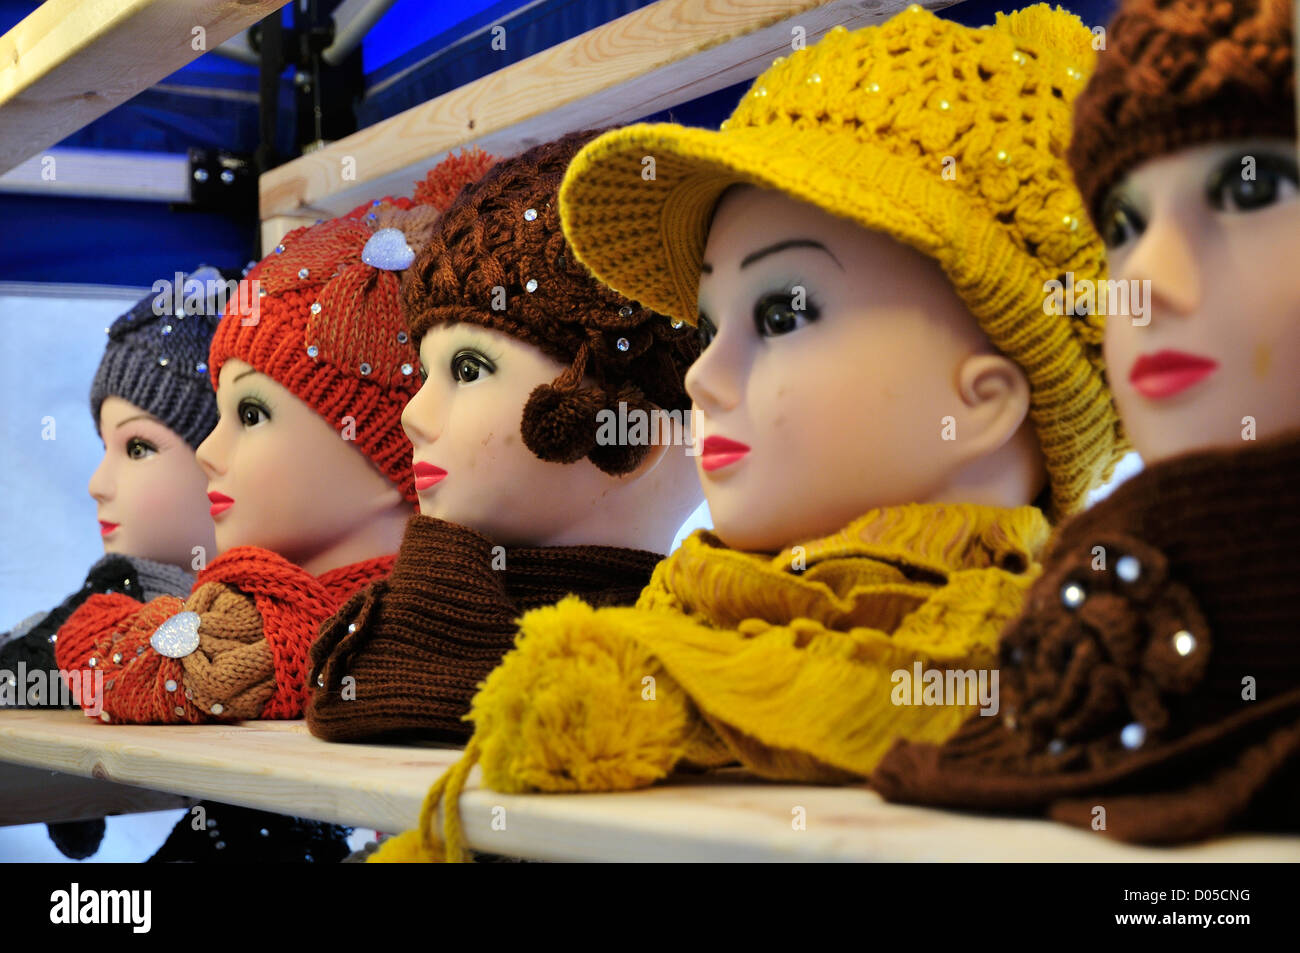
617 459
560 425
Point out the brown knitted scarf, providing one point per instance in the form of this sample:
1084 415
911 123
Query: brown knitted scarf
1155 671
403 658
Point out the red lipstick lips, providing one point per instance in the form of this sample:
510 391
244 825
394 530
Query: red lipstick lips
220 503
427 475
1166 373
718 452
105 527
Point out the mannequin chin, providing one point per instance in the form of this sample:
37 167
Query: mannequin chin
1214 360
298 488
465 423
150 492
842 373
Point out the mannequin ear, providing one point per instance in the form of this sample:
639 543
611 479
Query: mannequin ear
994 392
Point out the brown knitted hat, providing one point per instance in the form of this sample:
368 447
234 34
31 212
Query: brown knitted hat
499 259
1162 683
1179 73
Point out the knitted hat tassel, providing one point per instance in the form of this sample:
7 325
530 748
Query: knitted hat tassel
421 846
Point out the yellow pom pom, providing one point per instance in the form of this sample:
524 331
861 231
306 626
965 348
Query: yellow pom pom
570 709
407 848
1054 32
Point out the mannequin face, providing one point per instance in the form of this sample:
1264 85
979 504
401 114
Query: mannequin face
150 492
465 421
1221 253
842 403
299 489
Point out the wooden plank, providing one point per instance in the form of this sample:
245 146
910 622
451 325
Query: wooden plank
71 61
278 766
276 227
649 60
35 795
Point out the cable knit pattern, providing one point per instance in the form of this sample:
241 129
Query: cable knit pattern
1124 684
783 662
258 615
1181 74
947 138
423 639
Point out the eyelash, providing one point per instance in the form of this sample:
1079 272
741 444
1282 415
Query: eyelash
810 311
139 442
474 357
1117 231
255 404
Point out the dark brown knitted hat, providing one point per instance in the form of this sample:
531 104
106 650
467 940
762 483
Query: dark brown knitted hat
1155 671
1179 73
499 259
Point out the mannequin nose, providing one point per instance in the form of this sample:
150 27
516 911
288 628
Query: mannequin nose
419 417
208 455
100 486
714 382
1166 255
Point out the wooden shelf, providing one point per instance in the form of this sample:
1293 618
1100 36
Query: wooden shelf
649 60
278 766
71 61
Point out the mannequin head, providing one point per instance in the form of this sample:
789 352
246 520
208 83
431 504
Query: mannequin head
841 403
298 488
312 371
152 403
1184 149
149 490
1220 253
465 421
520 353
922 221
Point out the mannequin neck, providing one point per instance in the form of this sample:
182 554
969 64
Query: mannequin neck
1011 476
377 535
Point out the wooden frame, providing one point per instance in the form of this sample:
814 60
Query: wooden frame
649 60
71 61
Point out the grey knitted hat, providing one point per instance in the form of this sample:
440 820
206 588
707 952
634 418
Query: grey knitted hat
157 357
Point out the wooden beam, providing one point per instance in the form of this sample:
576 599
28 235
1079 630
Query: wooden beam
652 59
276 227
278 766
71 61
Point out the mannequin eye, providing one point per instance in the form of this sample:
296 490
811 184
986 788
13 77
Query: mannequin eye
252 413
706 331
424 374
137 448
1120 222
777 314
468 366
1248 182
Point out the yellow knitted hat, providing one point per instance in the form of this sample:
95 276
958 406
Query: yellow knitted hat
947 138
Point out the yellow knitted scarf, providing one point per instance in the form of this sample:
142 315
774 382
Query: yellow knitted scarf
786 663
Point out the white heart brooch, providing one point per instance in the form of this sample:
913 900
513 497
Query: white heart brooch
387 249
178 636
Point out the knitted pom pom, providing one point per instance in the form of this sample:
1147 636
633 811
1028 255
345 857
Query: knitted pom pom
617 458
1052 30
566 709
445 180
407 848
560 425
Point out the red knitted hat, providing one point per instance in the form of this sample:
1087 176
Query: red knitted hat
324 318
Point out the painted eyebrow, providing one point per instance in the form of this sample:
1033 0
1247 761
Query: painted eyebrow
244 374
123 423
707 269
